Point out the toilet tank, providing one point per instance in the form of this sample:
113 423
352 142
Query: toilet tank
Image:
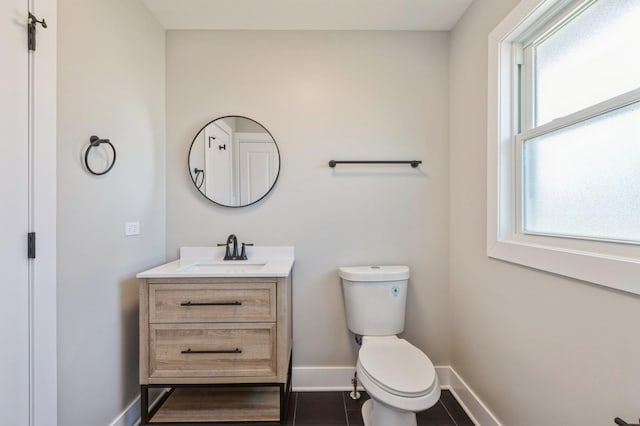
375 298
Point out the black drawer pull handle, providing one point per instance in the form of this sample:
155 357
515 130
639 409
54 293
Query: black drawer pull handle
190 303
232 351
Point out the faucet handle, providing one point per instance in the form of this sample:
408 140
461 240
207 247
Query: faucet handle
227 254
243 253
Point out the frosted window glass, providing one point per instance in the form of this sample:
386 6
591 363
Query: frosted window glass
584 180
592 58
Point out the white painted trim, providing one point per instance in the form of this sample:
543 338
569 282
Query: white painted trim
131 415
593 111
321 379
324 379
224 126
595 262
444 376
259 137
43 302
470 403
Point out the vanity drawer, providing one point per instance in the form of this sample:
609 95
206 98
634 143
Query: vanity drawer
212 350
209 302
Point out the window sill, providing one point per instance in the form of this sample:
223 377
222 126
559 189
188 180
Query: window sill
616 272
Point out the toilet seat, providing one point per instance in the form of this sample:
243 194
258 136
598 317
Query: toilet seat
397 366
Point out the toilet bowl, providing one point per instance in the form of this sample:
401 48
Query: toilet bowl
399 377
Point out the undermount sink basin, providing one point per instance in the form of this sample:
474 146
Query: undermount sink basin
205 262
228 266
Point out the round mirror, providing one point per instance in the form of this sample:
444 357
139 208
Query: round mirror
234 161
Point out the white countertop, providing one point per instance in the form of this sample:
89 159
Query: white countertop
206 262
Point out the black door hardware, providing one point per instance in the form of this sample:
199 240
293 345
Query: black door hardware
210 139
31 30
221 147
31 245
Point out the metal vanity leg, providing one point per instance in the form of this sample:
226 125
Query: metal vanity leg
285 392
283 404
144 405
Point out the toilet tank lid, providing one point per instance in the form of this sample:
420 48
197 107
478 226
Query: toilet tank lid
374 273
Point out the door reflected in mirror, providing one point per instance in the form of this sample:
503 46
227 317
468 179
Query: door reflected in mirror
234 161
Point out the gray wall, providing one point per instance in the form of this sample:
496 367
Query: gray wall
539 349
325 95
110 83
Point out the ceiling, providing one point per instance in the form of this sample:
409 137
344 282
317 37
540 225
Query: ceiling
401 15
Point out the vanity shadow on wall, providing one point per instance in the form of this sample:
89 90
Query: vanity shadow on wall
234 161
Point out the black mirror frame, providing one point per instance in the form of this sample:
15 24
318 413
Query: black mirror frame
189 161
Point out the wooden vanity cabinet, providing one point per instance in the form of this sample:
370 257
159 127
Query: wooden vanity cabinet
222 345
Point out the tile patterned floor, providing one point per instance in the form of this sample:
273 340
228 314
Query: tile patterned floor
338 409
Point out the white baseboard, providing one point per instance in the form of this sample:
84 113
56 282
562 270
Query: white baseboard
472 405
322 379
131 415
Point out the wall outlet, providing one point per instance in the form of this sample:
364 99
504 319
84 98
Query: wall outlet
131 228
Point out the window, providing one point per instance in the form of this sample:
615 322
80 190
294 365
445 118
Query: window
564 140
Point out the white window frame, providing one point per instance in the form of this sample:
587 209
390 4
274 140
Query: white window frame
606 263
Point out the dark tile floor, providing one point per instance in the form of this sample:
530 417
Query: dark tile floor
338 409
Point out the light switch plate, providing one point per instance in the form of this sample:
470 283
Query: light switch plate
131 228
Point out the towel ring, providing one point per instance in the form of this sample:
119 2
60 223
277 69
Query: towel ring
95 141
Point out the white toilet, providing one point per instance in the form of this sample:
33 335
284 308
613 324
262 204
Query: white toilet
399 377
